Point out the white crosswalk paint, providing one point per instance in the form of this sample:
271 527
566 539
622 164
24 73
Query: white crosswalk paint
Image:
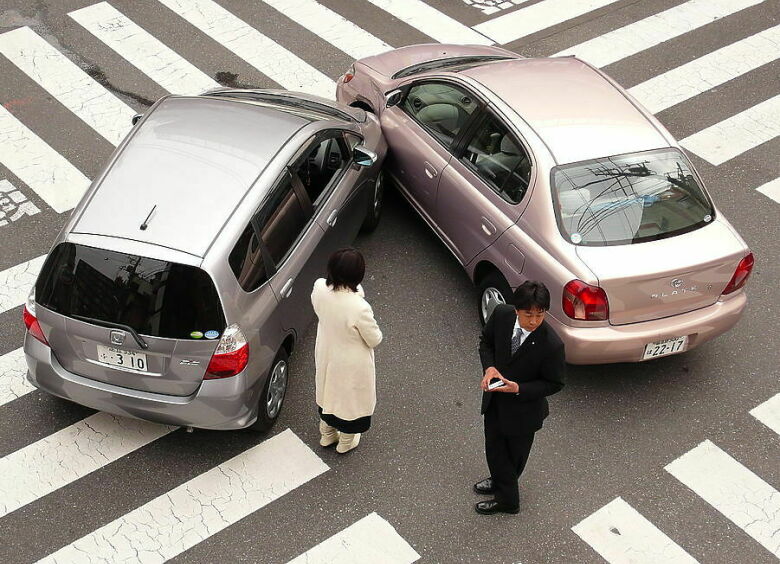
267 56
45 171
332 27
771 189
620 534
13 376
210 502
732 137
17 281
528 20
744 498
372 539
69 454
142 50
769 411
432 22
71 86
14 205
648 32
711 70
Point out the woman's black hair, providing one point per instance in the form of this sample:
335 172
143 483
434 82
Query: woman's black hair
346 268
532 295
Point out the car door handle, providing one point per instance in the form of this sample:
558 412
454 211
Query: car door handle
430 171
334 215
287 289
487 227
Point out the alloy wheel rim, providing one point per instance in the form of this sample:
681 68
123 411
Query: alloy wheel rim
491 297
276 389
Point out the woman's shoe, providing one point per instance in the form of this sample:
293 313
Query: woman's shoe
328 435
347 442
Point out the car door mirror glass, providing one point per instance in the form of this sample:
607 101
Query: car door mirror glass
363 156
393 98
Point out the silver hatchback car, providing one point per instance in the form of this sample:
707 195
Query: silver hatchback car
177 289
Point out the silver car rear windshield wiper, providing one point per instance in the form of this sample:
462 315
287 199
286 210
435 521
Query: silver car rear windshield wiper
112 325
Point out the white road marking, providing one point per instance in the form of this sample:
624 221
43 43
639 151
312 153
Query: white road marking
744 498
528 20
620 534
769 411
13 376
733 136
17 281
71 86
652 30
771 190
142 50
44 170
332 27
707 72
207 504
372 539
267 56
432 22
70 454
13 204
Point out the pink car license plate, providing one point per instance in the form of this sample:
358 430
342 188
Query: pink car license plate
664 348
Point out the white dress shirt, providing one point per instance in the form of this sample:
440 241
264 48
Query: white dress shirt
524 333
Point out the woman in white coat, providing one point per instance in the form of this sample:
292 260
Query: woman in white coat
344 352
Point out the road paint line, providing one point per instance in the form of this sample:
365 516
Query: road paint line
17 281
707 72
70 454
771 190
267 56
142 50
619 533
769 411
71 86
372 539
528 20
733 136
44 170
653 30
432 22
744 498
201 507
14 205
332 27
13 376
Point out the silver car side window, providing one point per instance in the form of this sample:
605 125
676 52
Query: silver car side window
320 166
442 109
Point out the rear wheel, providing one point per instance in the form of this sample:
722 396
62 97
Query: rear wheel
493 290
272 396
374 211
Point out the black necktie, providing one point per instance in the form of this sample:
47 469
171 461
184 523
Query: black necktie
516 338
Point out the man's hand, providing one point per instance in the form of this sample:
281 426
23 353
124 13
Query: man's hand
490 373
508 387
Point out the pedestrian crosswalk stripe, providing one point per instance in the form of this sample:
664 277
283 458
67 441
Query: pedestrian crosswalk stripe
332 27
769 411
13 376
70 454
652 30
739 133
267 56
14 205
201 507
536 17
71 86
771 189
17 281
619 533
744 498
431 22
372 539
142 50
707 72
44 170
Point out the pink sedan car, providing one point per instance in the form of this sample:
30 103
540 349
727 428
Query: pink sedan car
547 169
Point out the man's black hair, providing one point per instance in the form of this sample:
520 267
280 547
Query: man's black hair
531 295
346 268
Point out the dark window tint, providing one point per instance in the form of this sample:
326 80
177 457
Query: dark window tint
499 159
320 166
246 261
441 108
154 297
282 220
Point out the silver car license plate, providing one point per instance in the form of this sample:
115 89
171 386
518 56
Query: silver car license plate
123 359
666 347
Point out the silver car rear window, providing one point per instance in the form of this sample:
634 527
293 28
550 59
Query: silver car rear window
629 198
154 297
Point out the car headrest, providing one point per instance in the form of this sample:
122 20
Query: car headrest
508 146
445 115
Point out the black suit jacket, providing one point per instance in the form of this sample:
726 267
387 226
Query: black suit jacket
538 367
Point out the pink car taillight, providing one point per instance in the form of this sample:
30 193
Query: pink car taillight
231 356
349 75
585 302
741 274
31 321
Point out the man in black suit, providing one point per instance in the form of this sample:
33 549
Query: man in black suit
524 356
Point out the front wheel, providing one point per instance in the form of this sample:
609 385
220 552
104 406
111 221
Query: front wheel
493 290
272 396
374 211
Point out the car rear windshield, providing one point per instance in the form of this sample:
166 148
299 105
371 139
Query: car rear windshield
155 297
465 62
629 199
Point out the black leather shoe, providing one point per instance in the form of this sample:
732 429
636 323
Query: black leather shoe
485 487
491 507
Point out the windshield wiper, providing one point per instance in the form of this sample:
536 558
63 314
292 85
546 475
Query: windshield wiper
112 325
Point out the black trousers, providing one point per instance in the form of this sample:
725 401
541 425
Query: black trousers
506 458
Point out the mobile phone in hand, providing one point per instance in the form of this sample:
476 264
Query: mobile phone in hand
495 383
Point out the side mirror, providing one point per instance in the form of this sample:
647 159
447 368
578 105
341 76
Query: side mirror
363 156
136 118
393 97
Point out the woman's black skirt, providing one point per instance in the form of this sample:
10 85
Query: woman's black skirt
360 425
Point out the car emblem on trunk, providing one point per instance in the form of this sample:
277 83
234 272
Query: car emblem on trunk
677 282
117 337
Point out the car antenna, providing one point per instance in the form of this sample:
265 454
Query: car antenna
145 224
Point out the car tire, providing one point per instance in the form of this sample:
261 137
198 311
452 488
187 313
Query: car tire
375 205
272 396
493 290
